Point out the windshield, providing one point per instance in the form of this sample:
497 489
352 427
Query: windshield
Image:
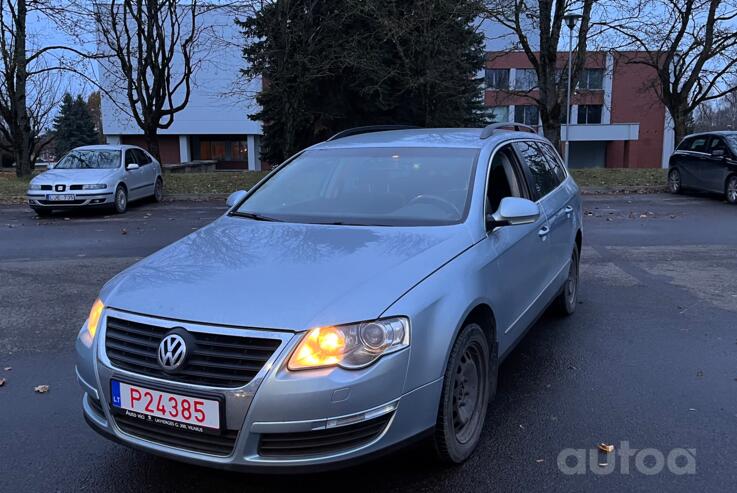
404 186
90 160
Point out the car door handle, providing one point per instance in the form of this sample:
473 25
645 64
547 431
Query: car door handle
568 210
543 233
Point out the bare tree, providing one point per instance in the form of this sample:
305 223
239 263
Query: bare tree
544 20
691 44
152 47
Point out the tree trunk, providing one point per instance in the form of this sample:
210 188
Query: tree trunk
679 114
22 141
152 142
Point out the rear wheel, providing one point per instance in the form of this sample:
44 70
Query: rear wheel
159 190
731 189
469 384
568 298
121 199
674 181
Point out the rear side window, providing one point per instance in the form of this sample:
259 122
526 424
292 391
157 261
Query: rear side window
554 160
130 157
544 177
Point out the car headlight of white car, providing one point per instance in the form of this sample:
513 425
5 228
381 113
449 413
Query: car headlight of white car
96 186
350 346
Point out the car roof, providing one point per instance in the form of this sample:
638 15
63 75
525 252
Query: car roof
425 137
714 132
105 147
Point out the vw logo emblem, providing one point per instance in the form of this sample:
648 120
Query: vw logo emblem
172 352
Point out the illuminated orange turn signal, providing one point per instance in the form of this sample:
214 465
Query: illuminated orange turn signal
94 319
322 346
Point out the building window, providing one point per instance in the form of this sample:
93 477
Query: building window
217 149
592 78
499 114
527 114
589 113
497 78
525 79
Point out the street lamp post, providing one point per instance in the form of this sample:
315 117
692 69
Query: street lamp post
571 20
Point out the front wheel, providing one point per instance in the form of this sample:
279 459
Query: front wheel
121 199
674 181
731 190
469 384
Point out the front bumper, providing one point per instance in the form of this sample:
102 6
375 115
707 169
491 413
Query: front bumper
276 403
38 200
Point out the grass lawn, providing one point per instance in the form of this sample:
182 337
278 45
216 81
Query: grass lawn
12 189
625 177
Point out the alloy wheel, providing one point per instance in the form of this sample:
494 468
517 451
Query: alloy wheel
571 288
732 190
674 181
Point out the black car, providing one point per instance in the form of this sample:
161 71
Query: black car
706 161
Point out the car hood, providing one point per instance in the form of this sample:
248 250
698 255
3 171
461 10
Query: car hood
53 176
241 272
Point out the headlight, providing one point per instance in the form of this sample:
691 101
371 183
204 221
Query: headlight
34 186
350 346
98 186
93 321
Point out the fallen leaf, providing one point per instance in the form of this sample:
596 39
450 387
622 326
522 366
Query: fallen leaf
2 382
700 373
124 231
8 368
605 447
691 409
540 460
41 389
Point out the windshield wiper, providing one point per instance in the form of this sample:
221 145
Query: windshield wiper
256 217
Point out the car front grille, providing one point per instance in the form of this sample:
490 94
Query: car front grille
215 444
216 360
45 187
320 442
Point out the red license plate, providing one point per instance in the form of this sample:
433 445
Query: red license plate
166 408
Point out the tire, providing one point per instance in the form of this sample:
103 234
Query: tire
730 190
468 386
565 303
159 190
42 211
121 199
675 184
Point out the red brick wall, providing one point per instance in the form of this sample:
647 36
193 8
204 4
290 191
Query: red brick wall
168 146
634 101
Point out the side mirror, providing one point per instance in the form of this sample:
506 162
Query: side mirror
131 166
235 197
513 211
718 153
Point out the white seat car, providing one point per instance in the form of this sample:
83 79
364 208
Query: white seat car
97 176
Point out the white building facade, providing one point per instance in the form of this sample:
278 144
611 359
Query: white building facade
215 124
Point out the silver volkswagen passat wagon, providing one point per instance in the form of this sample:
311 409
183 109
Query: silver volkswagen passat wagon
360 296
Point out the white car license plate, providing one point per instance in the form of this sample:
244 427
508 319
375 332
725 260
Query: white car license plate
174 410
60 197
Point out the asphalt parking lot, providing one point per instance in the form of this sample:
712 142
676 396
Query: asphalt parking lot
650 358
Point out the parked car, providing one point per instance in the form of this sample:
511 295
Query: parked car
360 296
706 161
97 176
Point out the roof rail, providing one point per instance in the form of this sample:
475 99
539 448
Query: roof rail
489 130
368 129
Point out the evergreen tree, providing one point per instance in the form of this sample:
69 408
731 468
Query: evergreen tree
336 64
73 126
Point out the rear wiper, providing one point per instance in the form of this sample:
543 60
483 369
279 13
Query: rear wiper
256 217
